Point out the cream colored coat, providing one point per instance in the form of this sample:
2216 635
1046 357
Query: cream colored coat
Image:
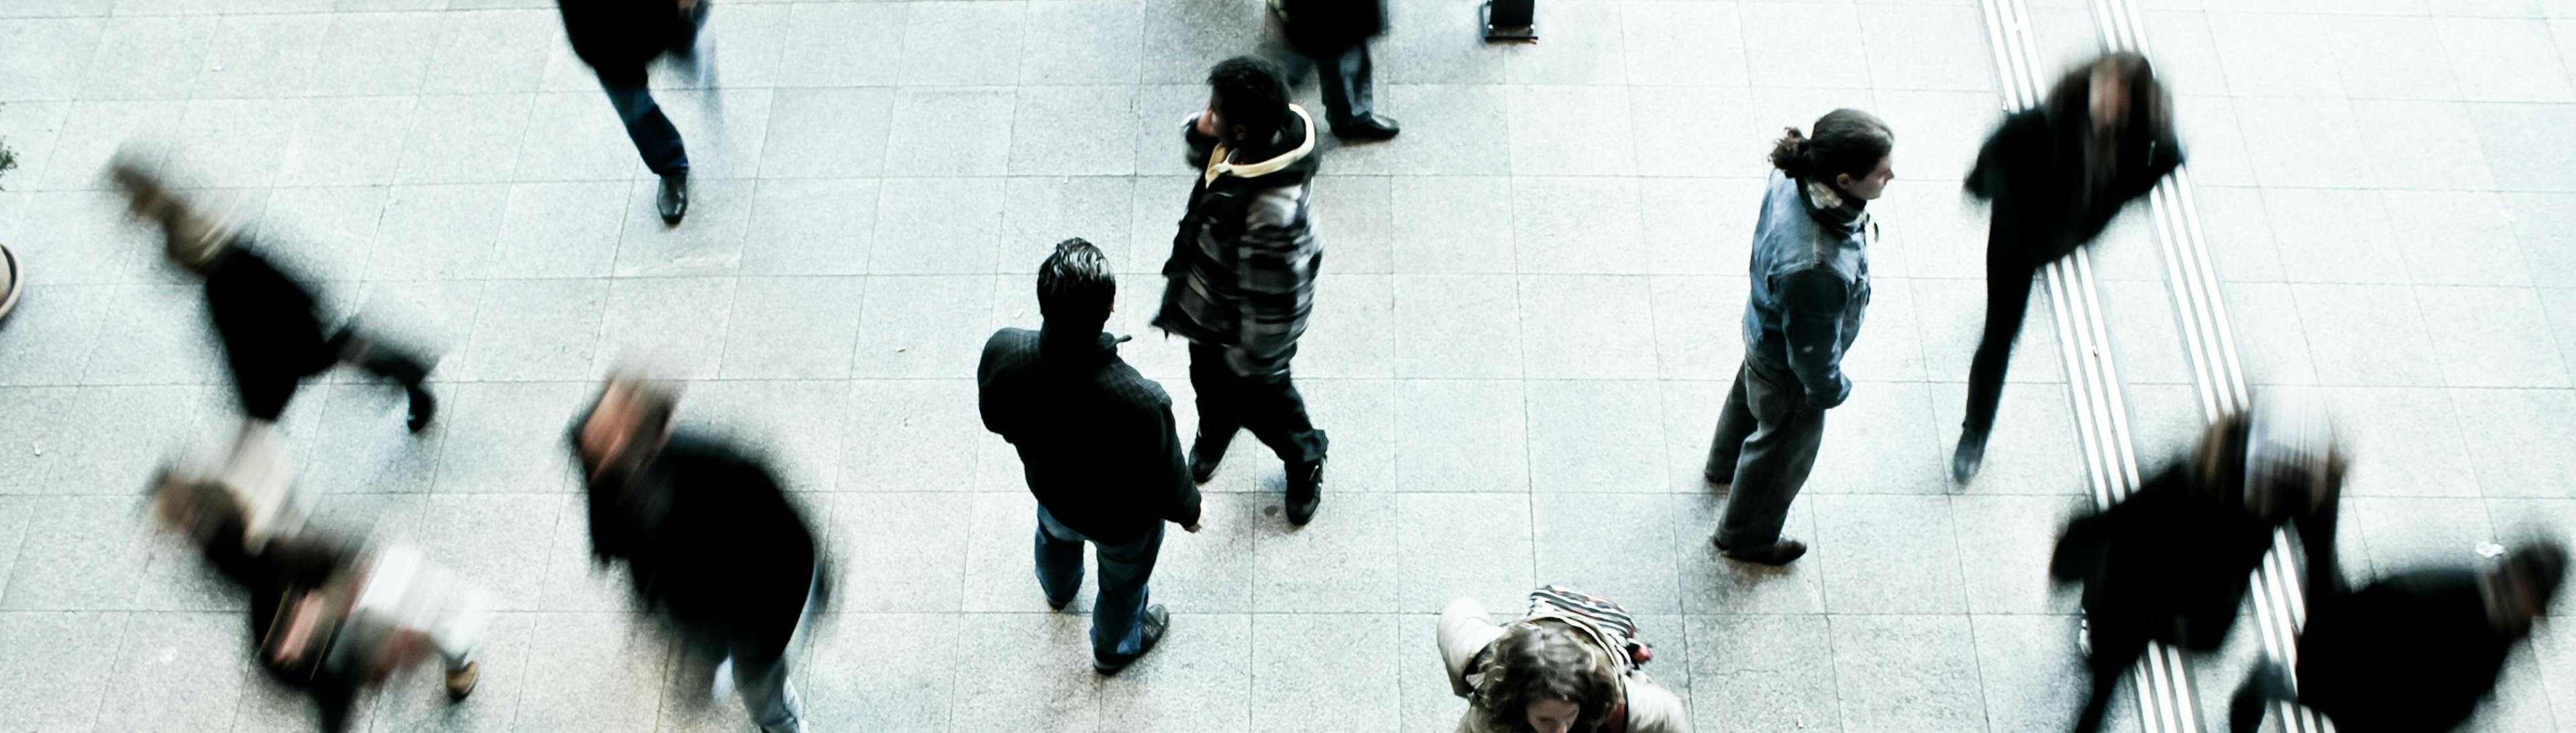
1465 630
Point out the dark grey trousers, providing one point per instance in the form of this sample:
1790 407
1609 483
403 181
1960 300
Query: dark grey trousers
1766 443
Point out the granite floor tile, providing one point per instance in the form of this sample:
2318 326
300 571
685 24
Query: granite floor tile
1476 545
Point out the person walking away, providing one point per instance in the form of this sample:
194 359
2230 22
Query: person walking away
273 337
618 38
2171 562
1241 278
708 537
1332 36
1810 272
2057 173
326 617
1569 665
2414 652
1098 446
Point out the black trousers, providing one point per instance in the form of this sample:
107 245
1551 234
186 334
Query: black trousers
655 138
1347 79
1268 405
266 376
2009 276
1766 444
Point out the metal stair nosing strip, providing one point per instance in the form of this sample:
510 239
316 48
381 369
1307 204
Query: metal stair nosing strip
2161 679
2280 605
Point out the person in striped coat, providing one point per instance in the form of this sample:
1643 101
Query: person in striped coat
1241 278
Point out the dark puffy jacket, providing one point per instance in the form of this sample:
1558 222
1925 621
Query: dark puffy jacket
1810 290
711 538
1332 24
611 34
1096 439
2412 653
2045 203
2173 560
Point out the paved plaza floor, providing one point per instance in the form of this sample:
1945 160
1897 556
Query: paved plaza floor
1521 339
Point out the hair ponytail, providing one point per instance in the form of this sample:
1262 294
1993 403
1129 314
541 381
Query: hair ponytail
1845 141
1790 154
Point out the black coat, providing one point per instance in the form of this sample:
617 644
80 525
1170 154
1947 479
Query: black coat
273 337
1096 438
2412 653
624 34
2045 204
1329 25
287 565
2171 562
709 537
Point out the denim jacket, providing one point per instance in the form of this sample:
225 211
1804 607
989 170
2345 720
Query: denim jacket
1810 287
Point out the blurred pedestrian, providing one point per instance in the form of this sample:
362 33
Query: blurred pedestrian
708 538
1098 447
1570 665
2170 563
1332 38
271 327
1810 272
1241 278
326 616
2057 173
618 38
2413 652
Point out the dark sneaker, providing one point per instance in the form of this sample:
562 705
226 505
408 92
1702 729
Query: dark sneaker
1305 492
1156 622
673 202
423 408
1204 455
1370 126
1780 551
1971 455
460 681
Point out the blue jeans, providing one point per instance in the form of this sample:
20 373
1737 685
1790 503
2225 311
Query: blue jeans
1117 628
655 139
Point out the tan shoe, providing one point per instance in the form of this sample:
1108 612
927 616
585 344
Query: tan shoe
460 681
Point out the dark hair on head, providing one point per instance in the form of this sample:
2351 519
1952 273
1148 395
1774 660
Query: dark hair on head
1533 662
1250 93
1075 287
1844 141
2542 565
2150 108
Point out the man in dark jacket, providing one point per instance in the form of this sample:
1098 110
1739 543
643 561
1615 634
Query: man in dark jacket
708 537
618 38
2170 563
1099 449
2057 174
1333 36
2414 652
269 322
1241 278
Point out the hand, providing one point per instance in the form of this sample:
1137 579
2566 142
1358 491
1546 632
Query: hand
1204 123
1192 527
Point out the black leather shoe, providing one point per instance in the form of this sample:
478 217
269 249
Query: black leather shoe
1156 622
1305 492
1780 552
423 407
674 199
1717 480
1370 126
1970 456
1203 459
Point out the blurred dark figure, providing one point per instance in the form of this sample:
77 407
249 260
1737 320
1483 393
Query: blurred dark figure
1332 36
2171 562
708 538
1099 449
2413 652
268 319
325 617
618 38
2057 173
1241 278
1810 271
